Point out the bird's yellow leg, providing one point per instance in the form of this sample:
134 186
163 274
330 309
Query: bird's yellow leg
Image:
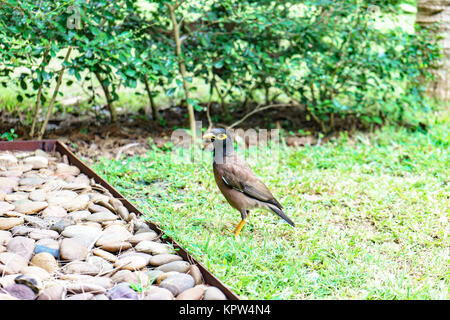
239 227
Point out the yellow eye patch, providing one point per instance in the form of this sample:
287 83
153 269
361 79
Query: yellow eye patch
221 136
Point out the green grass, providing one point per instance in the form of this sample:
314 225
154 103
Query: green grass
371 216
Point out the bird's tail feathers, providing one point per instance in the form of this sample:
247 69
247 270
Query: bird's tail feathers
281 214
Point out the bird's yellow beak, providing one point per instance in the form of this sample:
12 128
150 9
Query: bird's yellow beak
208 135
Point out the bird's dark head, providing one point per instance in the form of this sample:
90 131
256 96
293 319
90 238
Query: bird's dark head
216 134
223 145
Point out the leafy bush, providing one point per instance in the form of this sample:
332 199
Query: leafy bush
326 57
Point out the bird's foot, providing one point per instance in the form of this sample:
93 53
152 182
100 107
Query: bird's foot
239 227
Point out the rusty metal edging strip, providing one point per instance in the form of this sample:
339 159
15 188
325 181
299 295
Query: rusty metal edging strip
55 145
46 145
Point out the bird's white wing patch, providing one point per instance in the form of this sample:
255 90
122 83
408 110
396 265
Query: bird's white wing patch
226 182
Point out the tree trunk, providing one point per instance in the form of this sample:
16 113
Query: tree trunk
150 98
266 93
36 109
430 12
223 106
109 102
182 65
38 97
55 94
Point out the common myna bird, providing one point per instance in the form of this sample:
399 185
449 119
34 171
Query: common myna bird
237 182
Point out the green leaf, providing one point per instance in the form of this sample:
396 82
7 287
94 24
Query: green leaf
170 92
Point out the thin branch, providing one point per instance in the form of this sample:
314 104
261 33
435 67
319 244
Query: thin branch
177 4
259 109
125 147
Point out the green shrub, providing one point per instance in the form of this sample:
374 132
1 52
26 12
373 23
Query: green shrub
10 136
327 57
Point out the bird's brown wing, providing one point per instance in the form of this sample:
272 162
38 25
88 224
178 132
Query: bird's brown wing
237 175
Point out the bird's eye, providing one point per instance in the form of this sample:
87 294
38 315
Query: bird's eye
222 136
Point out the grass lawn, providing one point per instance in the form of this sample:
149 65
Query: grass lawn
371 213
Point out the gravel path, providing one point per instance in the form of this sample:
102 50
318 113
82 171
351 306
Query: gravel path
64 237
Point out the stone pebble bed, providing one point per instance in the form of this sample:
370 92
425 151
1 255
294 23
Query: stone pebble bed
65 237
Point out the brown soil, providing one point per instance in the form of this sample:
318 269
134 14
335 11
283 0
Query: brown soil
92 136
